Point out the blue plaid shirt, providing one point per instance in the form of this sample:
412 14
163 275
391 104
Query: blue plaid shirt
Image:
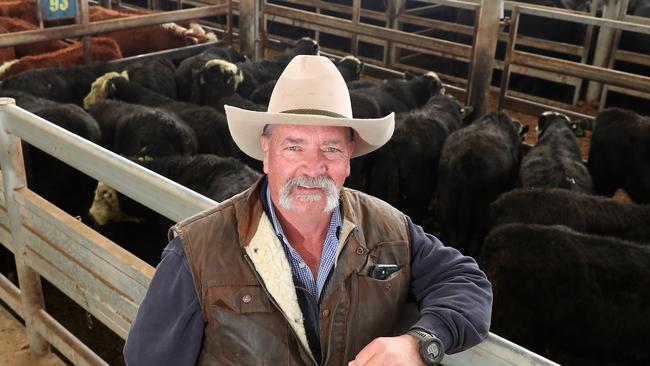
299 268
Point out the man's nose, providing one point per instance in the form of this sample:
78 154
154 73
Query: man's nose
315 163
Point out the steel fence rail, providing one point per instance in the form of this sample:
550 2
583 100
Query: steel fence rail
105 26
162 195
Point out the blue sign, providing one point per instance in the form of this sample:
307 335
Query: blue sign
58 9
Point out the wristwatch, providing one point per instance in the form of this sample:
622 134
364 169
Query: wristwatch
431 348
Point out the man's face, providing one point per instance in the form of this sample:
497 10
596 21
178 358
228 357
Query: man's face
306 165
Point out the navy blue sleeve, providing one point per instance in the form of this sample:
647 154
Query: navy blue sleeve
168 328
454 296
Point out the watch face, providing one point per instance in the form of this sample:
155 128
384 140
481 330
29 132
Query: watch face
433 350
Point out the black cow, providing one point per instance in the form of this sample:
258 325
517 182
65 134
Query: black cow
404 172
49 177
555 161
398 95
119 217
577 299
478 163
137 131
217 86
72 84
619 156
209 125
350 68
188 67
262 71
582 212
156 74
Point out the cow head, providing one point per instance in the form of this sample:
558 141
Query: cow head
435 85
578 127
350 67
305 46
197 35
106 206
102 88
548 118
221 73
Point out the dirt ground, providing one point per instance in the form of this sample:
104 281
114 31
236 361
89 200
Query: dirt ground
14 348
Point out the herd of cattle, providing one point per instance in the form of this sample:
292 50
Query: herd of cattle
570 266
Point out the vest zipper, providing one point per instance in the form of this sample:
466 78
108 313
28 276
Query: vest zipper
250 264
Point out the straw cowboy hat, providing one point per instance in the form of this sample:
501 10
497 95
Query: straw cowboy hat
310 91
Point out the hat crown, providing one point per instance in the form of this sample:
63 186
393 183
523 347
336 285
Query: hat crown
311 83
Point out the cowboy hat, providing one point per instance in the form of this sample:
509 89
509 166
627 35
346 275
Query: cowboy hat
310 91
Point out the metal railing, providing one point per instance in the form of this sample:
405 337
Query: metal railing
354 23
96 273
105 26
575 69
480 53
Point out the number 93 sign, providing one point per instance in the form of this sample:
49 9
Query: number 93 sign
58 9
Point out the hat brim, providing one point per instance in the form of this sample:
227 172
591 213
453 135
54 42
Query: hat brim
246 126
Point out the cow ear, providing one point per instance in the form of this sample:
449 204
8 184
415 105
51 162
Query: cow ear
111 89
145 158
436 87
577 129
465 113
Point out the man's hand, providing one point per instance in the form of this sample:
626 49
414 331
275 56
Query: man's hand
390 351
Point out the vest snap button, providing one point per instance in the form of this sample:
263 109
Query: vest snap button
247 299
326 313
359 250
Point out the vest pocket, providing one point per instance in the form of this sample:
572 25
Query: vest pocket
245 328
239 299
380 301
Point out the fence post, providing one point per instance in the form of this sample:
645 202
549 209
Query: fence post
13 178
248 27
356 17
612 9
482 61
394 9
84 18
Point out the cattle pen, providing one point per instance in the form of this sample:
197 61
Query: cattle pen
109 282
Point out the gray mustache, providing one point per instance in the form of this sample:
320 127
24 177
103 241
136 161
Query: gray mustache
322 182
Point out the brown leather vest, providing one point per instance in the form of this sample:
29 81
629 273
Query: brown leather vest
244 283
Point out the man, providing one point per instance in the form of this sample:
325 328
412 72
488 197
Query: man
298 270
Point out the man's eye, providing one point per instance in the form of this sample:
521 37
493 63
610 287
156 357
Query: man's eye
293 148
331 149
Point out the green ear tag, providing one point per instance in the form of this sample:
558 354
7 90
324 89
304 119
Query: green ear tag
202 80
148 158
578 131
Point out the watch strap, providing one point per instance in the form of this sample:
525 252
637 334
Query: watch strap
426 340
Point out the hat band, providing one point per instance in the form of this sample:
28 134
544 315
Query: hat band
318 112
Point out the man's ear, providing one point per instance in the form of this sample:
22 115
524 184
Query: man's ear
351 146
264 142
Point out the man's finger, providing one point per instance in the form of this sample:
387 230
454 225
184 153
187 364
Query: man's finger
367 353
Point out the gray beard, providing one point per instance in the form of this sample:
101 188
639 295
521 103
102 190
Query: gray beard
326 184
